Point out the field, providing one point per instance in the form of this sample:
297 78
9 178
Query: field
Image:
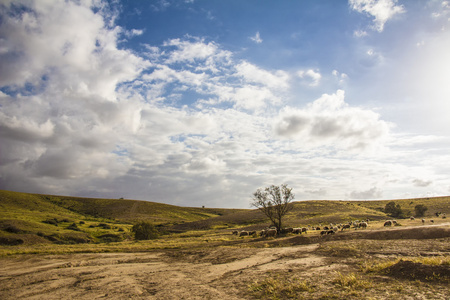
45 256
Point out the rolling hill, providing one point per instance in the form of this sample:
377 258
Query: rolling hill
35 218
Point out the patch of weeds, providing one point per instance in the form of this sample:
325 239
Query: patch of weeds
351 281
433 260
280 288
422 268
340 250
376 266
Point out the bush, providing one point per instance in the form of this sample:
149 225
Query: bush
394 210
420 210
144 231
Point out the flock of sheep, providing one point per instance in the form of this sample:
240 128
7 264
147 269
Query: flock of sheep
325 230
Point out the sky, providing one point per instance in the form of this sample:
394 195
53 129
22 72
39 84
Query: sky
200 103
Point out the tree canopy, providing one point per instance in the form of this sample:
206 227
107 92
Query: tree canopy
274 202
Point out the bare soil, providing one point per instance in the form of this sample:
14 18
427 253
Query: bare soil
242 270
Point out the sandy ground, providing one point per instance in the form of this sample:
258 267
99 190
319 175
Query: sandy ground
140 275
210 273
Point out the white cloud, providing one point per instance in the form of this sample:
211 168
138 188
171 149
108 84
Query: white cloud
253 74
421 183
372 193
311 76
184 122
341 77
190 51
360 33
257 38
330 121
381 10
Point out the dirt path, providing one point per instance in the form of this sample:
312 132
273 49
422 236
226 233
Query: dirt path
220 272
139 275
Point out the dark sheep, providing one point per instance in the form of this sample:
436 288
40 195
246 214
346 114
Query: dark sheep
297 231
346 226
387 223
270 232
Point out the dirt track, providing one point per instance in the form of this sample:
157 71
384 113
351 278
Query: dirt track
210 273
138 275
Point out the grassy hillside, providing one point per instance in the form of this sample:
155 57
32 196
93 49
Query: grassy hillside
39 219
32 218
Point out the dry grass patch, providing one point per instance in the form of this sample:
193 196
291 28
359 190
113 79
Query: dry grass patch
351 281
280 288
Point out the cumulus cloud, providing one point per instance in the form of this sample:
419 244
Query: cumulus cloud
253 74
329 120
312 77
381 10
421 183
184 121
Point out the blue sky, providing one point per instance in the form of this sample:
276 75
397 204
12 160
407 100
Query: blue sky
202 102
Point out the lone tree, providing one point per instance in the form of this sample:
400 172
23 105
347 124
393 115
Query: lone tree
274 202
420 210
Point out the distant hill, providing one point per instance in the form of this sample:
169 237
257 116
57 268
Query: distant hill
42 218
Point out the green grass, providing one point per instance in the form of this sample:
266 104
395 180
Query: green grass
34 219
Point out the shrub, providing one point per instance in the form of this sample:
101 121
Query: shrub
420 210
394 210
73 226
144 231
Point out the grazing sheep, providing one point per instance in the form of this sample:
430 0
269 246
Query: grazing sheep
387 223
297 230
362 225
346 226
270 232
330 231
394 222
304 229
286 230
412 218
323 232
432 221
235 232
317 228
326 228
243 233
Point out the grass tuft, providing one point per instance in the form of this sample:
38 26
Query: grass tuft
351 281
280 288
